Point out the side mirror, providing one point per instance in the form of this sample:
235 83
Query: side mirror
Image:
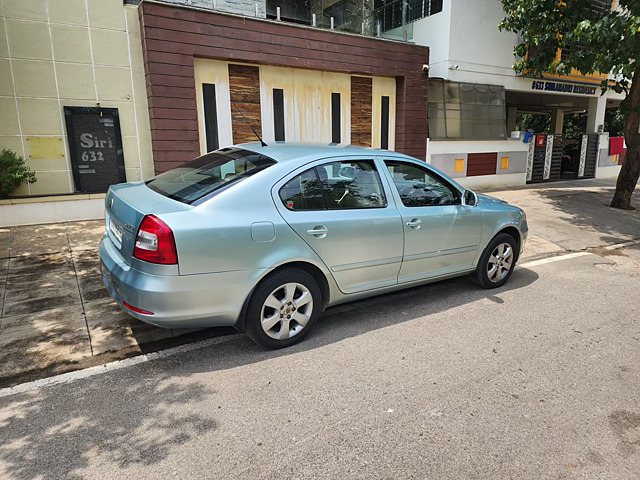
469 198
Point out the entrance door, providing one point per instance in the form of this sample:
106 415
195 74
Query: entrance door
441 235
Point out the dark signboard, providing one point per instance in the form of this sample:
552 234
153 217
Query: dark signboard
95 145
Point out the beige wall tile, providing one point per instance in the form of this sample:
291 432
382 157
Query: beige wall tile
69 11
34 79
20 191
110 47
75 81
127 119
47 164
26 9
130 148
50 183
133 174
4 50
6 83
106 14
12 143
71 44
9 118
114 83
146 155
29 39
40 116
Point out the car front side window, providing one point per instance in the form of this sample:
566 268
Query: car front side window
418 187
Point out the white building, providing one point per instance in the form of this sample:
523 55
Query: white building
475 96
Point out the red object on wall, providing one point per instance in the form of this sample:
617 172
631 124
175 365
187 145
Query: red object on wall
616 145
540 140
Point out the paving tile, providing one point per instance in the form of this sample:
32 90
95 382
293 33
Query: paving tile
37 341
37 292
5 242
93 290
39 239
112 329
86 262
43 263
85 235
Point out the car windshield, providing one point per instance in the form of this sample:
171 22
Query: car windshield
209 173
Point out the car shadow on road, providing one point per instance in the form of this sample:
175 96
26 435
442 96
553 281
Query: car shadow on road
364 316
133 418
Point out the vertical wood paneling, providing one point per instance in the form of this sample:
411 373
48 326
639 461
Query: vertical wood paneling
244 88
361 121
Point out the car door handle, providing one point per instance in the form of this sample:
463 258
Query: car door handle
415 223
319 231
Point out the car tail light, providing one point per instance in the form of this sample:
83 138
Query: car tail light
155 242
139 310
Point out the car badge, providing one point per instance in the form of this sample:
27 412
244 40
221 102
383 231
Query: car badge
111 203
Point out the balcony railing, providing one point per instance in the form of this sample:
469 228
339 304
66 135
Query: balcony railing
383 18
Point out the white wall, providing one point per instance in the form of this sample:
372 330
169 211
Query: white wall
433 32
465 34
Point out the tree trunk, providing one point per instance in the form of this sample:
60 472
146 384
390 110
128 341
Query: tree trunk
630 171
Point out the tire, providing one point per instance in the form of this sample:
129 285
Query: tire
497 262
283 308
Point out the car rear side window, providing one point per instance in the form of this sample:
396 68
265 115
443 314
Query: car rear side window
335 186
303 192
210 173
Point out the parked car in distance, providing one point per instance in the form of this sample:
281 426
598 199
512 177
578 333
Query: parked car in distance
264 238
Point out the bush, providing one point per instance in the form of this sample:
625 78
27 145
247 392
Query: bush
13 172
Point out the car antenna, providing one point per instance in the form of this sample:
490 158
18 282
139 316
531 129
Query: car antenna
245 119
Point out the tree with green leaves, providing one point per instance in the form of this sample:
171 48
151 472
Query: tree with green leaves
593 39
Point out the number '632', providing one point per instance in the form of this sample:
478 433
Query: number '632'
92 156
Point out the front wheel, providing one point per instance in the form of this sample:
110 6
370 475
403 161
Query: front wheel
283 308
497 262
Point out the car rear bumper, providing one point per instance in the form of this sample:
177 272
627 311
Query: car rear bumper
176 301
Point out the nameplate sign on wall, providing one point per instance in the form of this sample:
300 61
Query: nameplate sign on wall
95 147
560 87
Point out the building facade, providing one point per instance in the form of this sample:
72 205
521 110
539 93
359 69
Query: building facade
475 98
74 104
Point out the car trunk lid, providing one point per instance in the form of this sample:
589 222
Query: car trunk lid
126 205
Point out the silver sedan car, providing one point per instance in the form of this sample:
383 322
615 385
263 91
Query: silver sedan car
264 238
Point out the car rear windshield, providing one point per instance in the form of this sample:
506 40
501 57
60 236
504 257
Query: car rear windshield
209 173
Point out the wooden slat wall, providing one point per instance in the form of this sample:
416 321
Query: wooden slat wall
482 164
361 106
244 89
173 35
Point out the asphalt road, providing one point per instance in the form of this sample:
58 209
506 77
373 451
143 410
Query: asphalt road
537 380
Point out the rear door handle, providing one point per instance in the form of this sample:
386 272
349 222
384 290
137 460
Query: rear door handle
415 223
319 231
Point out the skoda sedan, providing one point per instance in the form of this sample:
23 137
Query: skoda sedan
264 238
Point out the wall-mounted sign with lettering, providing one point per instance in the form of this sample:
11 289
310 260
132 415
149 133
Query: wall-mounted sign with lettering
95 146
563 87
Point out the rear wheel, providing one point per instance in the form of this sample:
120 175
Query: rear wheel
283 308
497 262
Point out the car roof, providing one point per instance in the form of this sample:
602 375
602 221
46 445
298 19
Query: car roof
282 152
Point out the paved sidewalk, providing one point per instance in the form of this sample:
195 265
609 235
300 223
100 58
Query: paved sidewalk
56 315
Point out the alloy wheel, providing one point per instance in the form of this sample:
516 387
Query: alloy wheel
500 262
286 311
